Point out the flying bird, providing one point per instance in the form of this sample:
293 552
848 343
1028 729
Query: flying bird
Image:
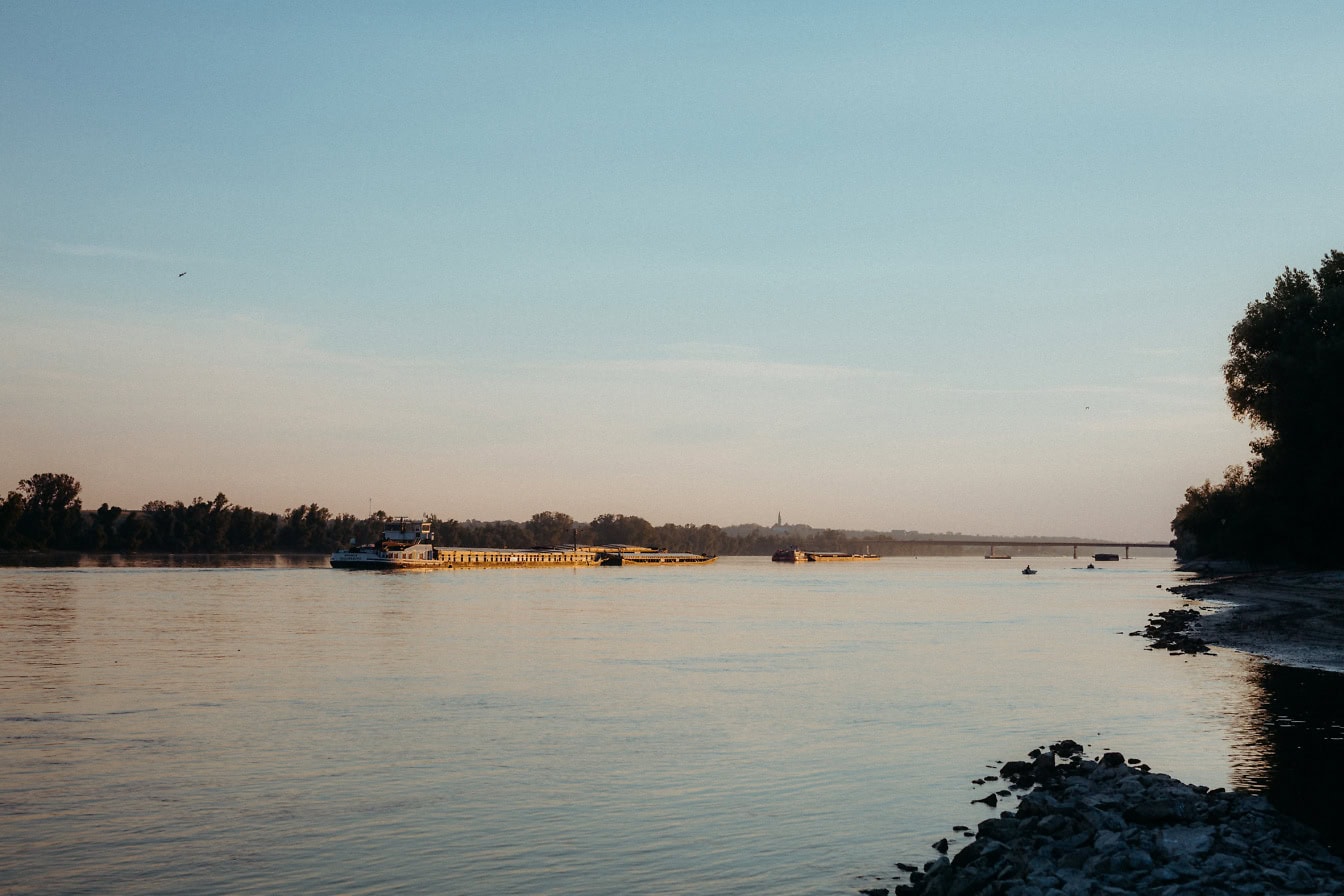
183 274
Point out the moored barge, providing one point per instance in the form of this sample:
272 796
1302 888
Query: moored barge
798 555
624 555
830 556
406 545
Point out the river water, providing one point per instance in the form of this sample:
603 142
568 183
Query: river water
278 726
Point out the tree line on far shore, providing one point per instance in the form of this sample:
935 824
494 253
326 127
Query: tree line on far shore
45 514
1285 376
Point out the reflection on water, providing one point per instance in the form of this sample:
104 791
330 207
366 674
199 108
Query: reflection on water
64 559
1292 744
271 726
44 609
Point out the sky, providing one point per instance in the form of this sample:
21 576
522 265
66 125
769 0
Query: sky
949 267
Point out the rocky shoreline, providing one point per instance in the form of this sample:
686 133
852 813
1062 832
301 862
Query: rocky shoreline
1174 631
1107 825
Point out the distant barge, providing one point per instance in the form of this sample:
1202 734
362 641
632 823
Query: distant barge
409 545
798 555
623 555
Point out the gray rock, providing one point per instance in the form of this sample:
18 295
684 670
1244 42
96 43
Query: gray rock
1302 877
1224 865
1003 829
1185 842
1113 827
1160 811
1043 768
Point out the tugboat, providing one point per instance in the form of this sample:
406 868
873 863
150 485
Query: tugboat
403 546
408 544
789 555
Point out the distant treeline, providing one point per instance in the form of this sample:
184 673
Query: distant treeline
45 514
1285 376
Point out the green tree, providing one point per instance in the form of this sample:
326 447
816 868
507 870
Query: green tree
51 506
1288 353
550 528
306 528
250 530
136 532
446 532
1285 376
614 528
10 513
1216 520
101 535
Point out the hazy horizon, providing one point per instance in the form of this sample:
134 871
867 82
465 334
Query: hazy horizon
785 524
951 268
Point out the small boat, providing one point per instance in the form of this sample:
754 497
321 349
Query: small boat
993 556
1105 556
1028 571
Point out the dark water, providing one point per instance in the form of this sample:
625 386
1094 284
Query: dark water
1296 734
178 728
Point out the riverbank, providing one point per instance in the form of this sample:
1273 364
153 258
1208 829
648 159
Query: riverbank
1108 825
1293 618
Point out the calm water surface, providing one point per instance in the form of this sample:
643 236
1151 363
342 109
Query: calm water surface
723 729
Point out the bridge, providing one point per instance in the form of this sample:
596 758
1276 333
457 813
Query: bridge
991 544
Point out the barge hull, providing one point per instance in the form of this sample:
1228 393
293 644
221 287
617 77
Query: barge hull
833 558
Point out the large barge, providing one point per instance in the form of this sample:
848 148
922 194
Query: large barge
798 555
624 555
410 545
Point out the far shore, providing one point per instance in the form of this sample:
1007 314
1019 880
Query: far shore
1290 617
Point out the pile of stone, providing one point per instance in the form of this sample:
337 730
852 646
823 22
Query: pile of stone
1172 631
1108 826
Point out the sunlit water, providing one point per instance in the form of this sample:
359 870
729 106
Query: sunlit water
735 728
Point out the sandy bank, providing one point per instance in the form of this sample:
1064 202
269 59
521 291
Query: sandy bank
1291 618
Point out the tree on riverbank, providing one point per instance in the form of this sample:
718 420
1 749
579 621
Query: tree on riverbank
1285 376
44 514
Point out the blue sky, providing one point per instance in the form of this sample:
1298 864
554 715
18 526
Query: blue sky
950 267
